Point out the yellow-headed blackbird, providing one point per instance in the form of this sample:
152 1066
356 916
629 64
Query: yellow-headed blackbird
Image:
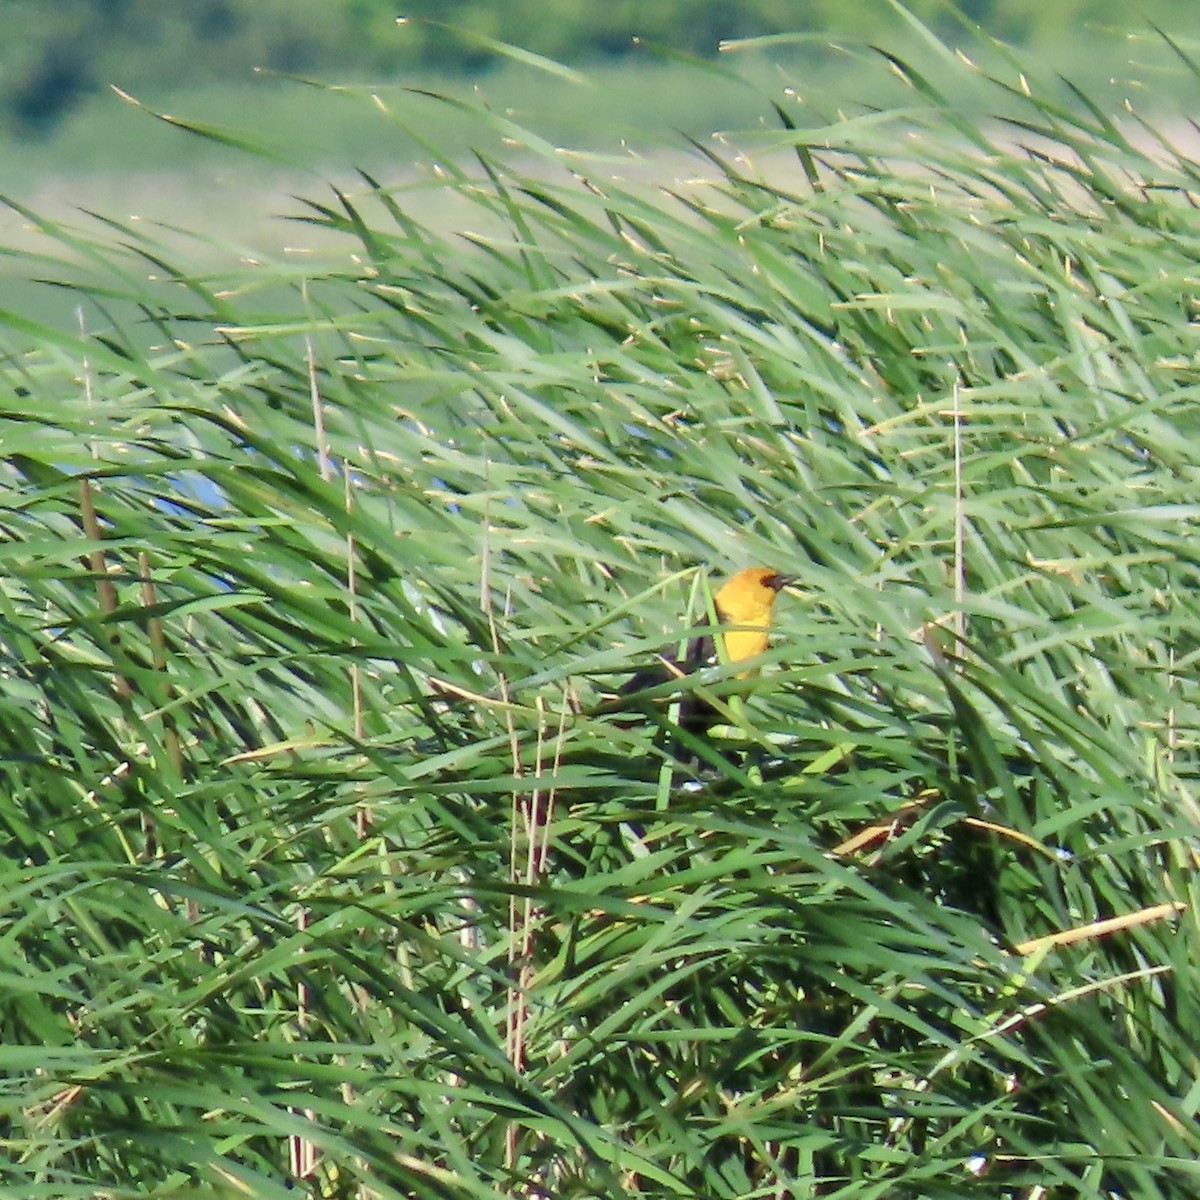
743 605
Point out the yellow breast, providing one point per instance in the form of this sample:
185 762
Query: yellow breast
744 643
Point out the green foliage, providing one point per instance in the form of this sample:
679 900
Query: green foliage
314 839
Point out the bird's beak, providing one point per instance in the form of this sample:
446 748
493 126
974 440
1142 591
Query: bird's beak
782 581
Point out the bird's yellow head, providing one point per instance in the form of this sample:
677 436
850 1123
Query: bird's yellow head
743 602
746 598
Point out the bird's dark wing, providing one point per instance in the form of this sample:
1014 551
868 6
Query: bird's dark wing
667 665
695 713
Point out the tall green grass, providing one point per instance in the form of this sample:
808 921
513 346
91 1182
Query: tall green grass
320 863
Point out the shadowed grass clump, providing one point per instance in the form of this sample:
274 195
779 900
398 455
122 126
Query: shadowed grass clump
320 863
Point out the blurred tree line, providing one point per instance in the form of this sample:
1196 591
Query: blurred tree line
55 54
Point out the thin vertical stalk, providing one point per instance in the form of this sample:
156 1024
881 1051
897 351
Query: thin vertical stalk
960 526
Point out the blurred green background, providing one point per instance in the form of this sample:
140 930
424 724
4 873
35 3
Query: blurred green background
67 137
96 97
318 90
57 58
